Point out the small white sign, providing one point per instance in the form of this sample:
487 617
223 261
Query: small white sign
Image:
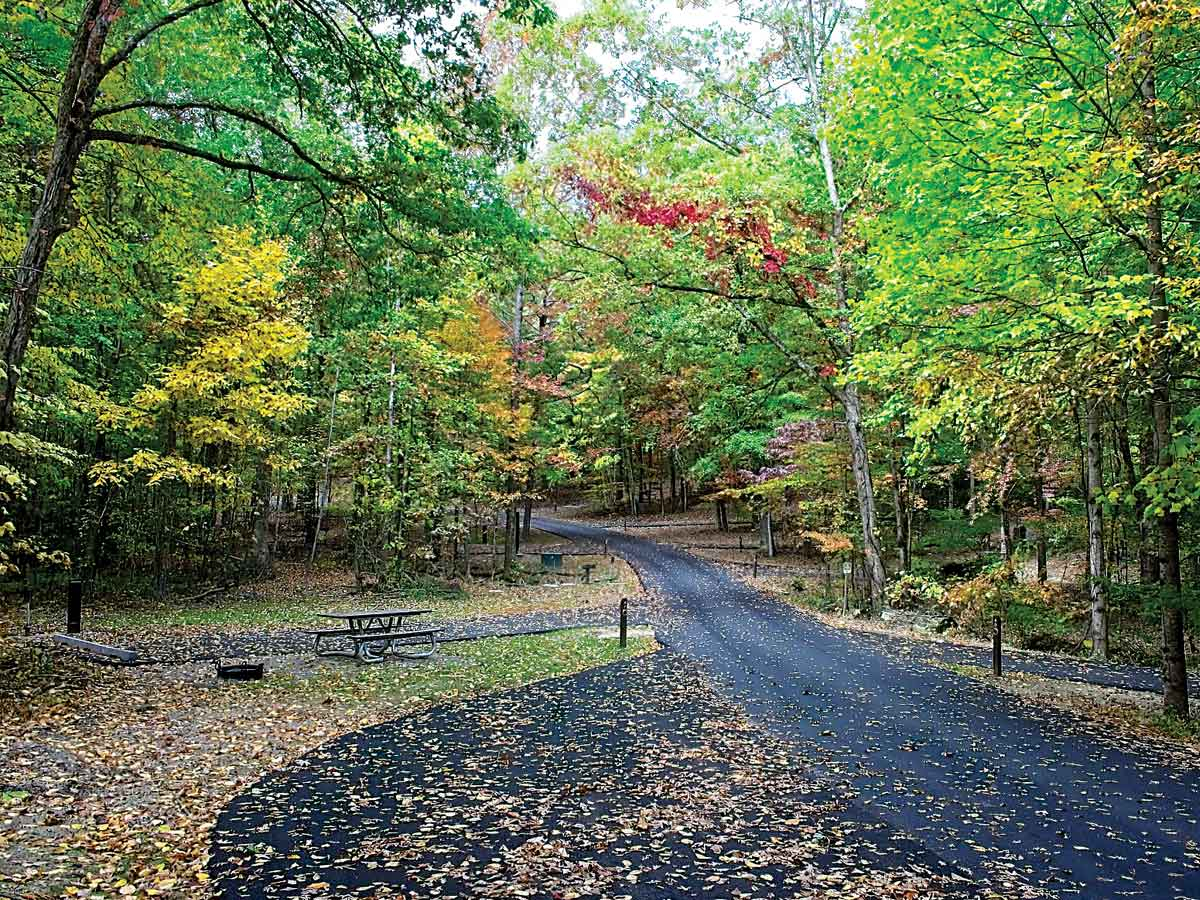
846 569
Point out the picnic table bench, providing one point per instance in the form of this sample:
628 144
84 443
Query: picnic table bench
375 633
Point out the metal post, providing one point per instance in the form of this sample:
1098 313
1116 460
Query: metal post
755 563
996 634
624 621
28 597
74 607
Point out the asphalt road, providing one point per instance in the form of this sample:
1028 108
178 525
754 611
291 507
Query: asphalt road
763 755
982 781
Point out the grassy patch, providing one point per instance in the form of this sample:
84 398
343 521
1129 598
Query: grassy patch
464 668
1170 725
232 613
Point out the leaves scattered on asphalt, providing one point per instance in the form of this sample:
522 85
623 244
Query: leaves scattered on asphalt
636 780
109 783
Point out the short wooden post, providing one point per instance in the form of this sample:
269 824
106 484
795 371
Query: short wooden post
755 563
624 621
27 596
74 607
996 635
740 547
847 571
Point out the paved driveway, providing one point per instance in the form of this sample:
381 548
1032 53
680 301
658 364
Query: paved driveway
763 753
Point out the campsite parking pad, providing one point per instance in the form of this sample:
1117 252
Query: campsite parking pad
635 780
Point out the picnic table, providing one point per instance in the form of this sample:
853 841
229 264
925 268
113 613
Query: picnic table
377 632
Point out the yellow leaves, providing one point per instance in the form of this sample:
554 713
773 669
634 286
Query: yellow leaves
240 282
239 338
829 542
155 468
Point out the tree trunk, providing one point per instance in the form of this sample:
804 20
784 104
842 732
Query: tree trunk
900 507
160 543
1042 548
1147 554
767 533
357 533
1006 541
671 471
326 486
1175 689
860 466
510 537
811 52
262 517
1148 568
1095 529
76 97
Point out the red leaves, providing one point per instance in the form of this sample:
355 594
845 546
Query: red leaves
644 210
588 190
732 232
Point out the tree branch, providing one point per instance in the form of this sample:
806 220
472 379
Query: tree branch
235 165
246 116
135 41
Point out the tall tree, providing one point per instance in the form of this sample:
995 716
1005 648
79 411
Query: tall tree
294 83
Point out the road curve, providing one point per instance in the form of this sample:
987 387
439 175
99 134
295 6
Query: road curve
983 782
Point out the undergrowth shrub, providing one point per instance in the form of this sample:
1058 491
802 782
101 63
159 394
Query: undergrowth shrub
912 591
1036 616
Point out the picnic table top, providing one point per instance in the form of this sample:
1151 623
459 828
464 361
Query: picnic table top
374 613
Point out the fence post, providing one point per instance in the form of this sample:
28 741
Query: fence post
624 621
996 635
755 564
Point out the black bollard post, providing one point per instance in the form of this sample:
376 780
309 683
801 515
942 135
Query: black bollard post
756 564
996 646
74 606
624 621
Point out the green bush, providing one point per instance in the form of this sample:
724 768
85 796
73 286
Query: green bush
953 531
912 591
1035 616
